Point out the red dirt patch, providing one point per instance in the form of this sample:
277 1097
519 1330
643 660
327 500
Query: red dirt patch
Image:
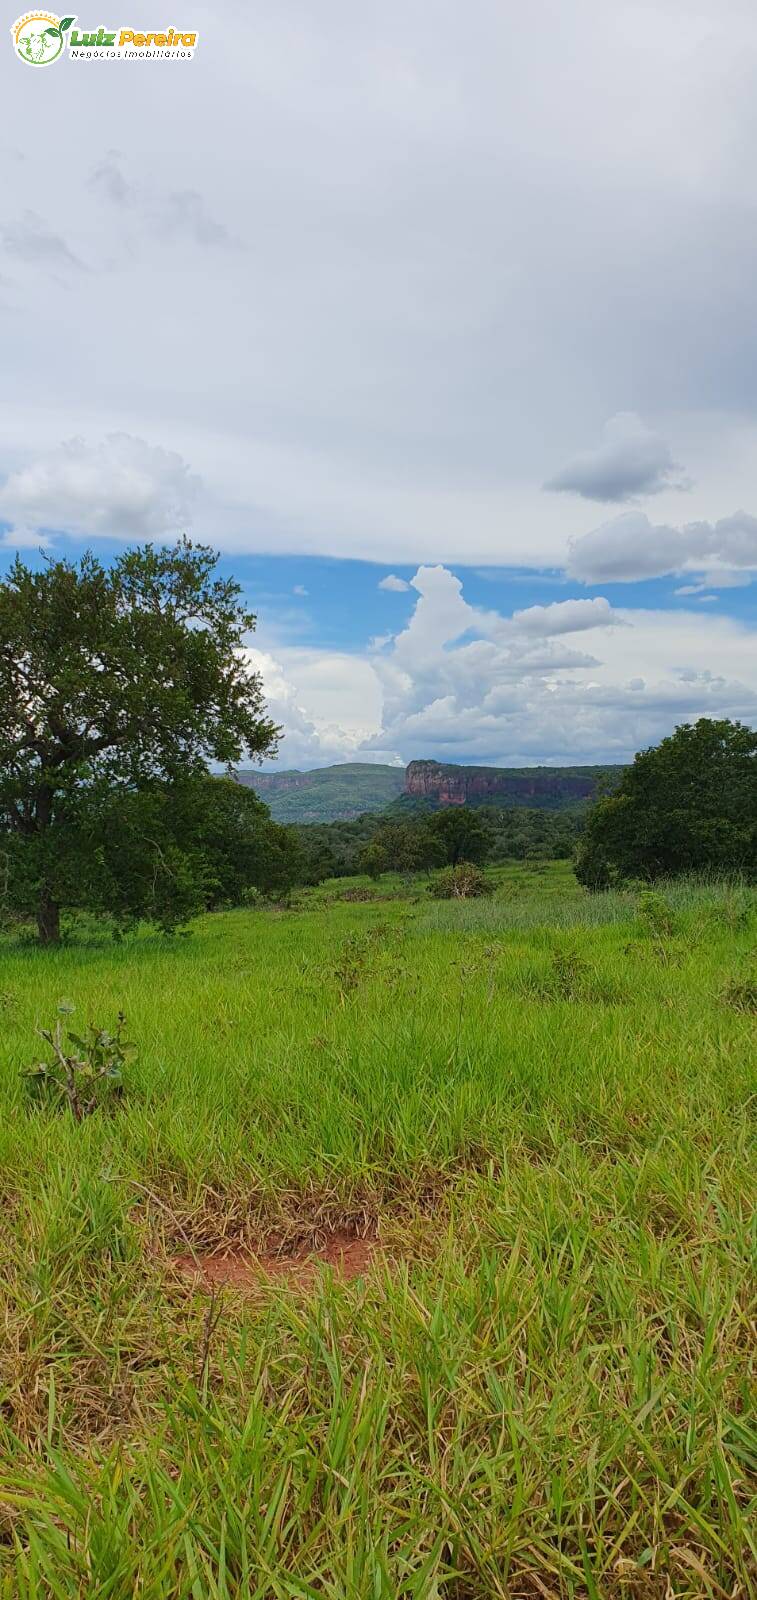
347 1256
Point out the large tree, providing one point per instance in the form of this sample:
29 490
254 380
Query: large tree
687 804
114 678
463 833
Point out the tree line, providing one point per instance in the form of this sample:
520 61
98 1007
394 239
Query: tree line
405 839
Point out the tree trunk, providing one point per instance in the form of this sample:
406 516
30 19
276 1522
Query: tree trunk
48 919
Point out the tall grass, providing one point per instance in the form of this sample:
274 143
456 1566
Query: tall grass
542 1104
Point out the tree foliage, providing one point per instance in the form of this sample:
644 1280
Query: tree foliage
687 804
113 679
373 859
516 833
462 833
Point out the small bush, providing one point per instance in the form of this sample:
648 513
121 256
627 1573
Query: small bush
569 976
658 921
741 995
351 965
463 882
85 1080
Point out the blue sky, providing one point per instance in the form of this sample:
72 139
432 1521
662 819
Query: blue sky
436 305
343 608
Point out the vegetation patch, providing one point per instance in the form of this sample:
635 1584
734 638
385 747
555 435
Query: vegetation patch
463 882
566 974
741 994
84 1071
553 1376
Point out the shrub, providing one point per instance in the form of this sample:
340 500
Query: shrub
569 976
657 919
463 882
83 1080
741 995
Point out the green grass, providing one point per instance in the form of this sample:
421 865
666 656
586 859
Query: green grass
543 1106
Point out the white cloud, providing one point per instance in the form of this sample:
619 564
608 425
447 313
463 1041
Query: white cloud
327 702
121 488
566 616
299 589
632 460
465 684
24 539
394 584
718 578
631 547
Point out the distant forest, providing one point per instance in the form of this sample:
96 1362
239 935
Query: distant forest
516 833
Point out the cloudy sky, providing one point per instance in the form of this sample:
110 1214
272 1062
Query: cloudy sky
440 323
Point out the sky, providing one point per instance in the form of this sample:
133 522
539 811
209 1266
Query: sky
439 323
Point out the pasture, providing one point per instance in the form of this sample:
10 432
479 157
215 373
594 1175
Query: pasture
532 1115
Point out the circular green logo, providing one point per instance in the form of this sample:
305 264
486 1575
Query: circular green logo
38 37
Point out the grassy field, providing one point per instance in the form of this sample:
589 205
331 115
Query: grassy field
539 1106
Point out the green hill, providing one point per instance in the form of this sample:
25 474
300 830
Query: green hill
340 793
329 794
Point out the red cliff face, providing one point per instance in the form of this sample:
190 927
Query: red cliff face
536 786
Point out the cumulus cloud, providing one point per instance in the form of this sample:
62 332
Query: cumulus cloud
466 684
394 584
630 547
327 703
462 683
120 488
302 744
566 616
630 461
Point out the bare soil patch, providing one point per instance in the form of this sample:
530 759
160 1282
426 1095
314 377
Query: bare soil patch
347 1255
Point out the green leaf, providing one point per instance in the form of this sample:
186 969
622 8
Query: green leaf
66 23
54 32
